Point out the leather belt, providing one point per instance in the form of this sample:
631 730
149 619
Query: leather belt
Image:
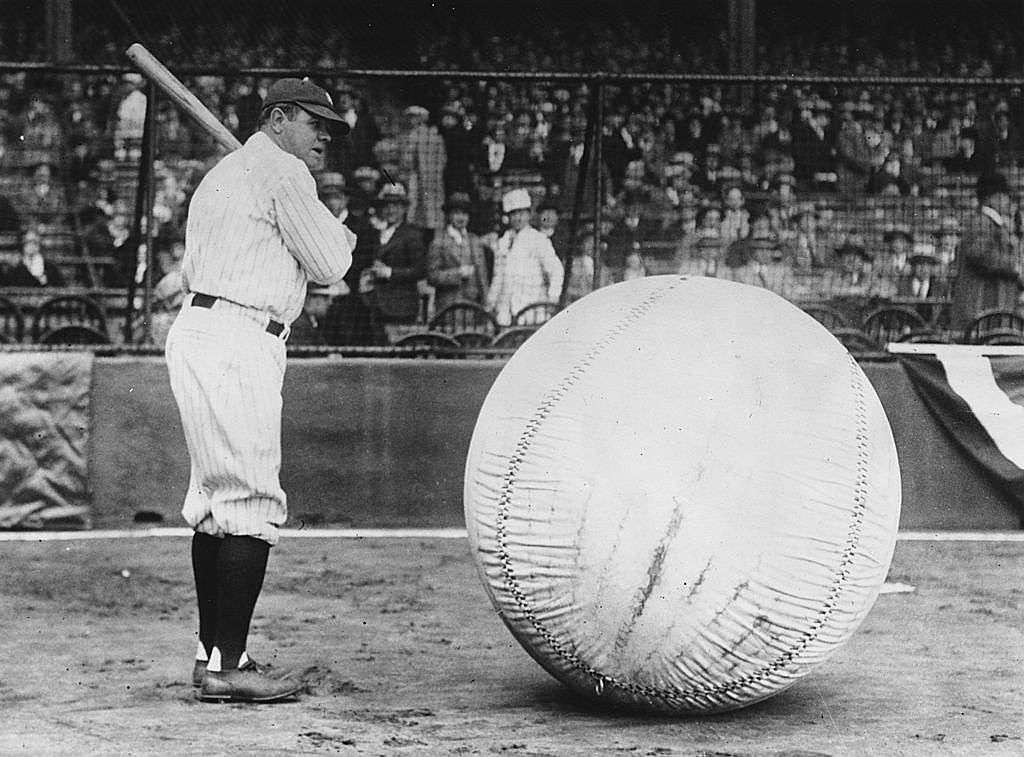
200 300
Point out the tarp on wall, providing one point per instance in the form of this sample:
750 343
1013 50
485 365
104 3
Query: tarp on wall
44 435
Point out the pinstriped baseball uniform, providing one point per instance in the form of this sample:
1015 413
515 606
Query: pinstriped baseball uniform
256 233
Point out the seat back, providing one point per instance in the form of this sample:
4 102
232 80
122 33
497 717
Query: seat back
463 316
68 310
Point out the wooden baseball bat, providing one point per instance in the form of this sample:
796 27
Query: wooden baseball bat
170 85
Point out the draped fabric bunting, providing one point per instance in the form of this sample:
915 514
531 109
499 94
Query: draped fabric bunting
977 395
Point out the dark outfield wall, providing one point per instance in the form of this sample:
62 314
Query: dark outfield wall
380 443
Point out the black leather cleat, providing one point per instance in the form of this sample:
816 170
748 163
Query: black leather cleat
250 683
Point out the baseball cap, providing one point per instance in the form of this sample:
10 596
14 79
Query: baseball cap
307 96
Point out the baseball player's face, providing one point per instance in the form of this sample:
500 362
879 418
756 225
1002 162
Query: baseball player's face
306 138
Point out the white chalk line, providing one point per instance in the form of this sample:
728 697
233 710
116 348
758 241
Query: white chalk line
421 533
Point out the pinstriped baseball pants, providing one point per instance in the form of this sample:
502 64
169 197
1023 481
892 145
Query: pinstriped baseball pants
226 374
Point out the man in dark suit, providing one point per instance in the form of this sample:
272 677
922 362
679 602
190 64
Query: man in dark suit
392 281
989 259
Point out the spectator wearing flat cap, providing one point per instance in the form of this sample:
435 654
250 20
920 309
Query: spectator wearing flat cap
526 268
422 161
333 191
989 258
456 263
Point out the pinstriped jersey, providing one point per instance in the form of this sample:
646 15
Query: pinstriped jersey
257 232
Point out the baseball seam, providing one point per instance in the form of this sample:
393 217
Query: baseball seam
602 681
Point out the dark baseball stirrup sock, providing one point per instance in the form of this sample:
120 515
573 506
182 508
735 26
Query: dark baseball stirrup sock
241 566
205 551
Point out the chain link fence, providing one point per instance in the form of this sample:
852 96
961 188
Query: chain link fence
842 193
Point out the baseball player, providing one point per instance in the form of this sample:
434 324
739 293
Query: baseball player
256 234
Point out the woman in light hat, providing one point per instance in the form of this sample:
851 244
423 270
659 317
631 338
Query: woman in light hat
526 268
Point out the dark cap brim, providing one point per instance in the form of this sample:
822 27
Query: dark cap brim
323 111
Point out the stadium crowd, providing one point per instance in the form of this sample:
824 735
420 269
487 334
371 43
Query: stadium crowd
821 192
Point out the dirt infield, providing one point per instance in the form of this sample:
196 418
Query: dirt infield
402 655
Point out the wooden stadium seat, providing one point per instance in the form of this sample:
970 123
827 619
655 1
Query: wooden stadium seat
513 337
432 344
77 334
68 310
890 322
12 321
1002 336
826 315
856 341
473 339
535 314
463 316
991 322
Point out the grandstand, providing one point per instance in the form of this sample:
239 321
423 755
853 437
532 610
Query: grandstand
834 121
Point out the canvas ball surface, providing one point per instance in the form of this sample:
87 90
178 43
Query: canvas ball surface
682 494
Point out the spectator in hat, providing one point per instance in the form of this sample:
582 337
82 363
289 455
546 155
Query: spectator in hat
889 178
853 275
422 162
364 190
131 117
758 259
813 159
628 240
859 150
947 240
459 146
33 270
967 158
1006 143
391 282
989 258
701 252
549 222
43 196
456 263
898 240
804 247
356 149
679 181
588 249
526 268
735 217
923 278
332 189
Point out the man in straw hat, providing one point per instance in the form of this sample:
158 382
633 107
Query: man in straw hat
526 268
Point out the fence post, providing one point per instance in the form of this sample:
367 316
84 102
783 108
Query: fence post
598 181
142 227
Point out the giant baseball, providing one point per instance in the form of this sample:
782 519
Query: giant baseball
682 495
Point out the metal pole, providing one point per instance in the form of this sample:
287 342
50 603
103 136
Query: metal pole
598 182
142 224
579 195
